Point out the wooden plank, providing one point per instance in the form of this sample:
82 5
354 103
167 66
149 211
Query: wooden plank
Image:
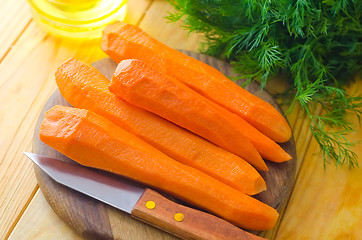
27 82
38 214
326 203
155 24
15 16
136 10
303 135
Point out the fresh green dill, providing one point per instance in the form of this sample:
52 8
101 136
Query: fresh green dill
316 44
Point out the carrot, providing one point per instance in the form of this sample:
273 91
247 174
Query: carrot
124 41
147 88
84 87
94 141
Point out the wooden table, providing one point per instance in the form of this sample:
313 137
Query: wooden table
325 203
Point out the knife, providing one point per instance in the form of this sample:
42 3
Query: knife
142 203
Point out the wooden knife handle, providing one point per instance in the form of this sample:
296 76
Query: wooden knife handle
185 222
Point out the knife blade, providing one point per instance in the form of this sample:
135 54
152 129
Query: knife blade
140 202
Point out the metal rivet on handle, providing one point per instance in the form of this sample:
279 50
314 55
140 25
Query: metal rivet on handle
179 217
150 204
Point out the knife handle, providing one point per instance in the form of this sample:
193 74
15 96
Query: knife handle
185 222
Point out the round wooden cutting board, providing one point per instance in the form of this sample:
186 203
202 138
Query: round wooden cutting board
95 220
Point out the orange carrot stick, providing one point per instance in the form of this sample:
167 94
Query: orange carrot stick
84 87
124 41
163 95
94 141
147 88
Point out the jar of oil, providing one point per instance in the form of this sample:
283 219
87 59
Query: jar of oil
77 18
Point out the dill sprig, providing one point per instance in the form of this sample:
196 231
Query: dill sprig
316 44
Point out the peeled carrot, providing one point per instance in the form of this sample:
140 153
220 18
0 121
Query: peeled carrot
84 87
94 141
124 41
147 88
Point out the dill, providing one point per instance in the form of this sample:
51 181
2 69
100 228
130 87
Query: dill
315 44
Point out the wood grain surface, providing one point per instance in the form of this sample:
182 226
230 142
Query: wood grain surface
95 220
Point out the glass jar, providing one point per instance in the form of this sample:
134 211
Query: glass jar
77 18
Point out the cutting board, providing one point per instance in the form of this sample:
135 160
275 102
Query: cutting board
95 220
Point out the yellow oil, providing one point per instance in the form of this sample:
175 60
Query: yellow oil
77 18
